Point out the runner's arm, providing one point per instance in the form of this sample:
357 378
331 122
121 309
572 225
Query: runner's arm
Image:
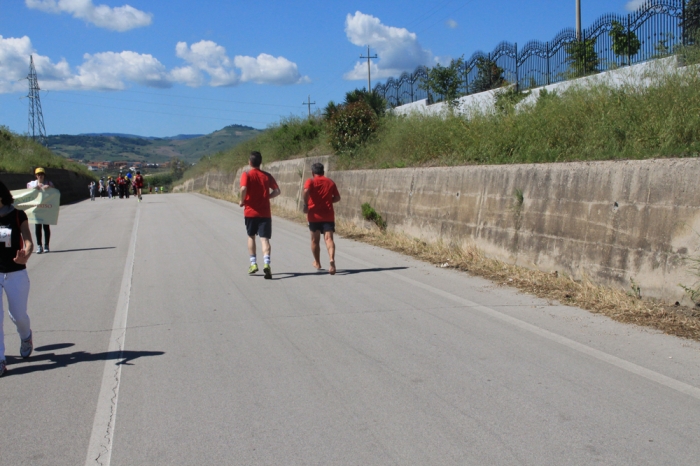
23 254
244 191
275 192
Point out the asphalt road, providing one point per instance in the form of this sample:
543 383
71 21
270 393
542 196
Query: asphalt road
154 347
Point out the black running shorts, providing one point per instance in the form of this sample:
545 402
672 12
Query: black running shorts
322 226
261 226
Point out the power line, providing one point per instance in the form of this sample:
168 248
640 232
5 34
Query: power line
153 112
174 105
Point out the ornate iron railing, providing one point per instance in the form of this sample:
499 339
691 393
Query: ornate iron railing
657 25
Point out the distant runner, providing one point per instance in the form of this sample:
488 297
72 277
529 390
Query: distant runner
138 184
92 188
41 183
15 249
320 193
257 188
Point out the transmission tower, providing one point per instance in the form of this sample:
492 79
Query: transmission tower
36 116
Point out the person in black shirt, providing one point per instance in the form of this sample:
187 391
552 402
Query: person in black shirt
15 248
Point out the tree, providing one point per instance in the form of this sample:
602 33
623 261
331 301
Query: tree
177 168
375 101
691 22
489 76
351 125
582 57
624 43
445 81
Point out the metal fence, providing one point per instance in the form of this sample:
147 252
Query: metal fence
653 31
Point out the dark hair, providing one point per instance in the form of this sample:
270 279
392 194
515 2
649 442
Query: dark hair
6 195
138 172
255 159
317 168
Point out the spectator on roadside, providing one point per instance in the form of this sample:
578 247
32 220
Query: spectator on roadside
92 187
42 184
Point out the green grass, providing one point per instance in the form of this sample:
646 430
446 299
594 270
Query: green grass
292 137
20 154
592 123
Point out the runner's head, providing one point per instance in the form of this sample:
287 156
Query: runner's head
138 172
255 159
317 168
5 195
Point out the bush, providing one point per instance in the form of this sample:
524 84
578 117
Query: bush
351 125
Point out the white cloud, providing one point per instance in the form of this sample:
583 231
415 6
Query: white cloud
634 5
119 19
101 71
210 58
266 69
110 70
397 48
451 23
207 64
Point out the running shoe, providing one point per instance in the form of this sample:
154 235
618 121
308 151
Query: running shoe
46 249
3 367
253 268
26 348
39 250
267 271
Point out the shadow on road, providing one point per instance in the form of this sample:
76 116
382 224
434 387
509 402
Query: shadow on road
53 251
285 275
57 361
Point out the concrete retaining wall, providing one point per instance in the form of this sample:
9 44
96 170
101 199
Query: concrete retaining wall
73 187
611 221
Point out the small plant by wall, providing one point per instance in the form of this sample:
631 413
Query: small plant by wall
371 215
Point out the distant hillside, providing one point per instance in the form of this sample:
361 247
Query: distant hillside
115 147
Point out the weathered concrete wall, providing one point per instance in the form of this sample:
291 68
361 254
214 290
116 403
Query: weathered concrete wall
73 187
611 221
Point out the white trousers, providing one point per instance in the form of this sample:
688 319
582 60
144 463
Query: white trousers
16 287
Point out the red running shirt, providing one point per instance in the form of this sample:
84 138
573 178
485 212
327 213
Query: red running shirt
257 198
321 193
138 181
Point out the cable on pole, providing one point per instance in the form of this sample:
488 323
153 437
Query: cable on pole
309 104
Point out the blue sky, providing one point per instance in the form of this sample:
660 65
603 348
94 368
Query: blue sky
192 67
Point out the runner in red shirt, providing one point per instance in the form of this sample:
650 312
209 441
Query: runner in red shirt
257 188
138 184
320 193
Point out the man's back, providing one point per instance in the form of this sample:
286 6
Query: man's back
321 190
257 200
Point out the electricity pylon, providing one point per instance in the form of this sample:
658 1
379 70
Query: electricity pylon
36 116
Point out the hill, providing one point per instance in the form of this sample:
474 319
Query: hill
114 147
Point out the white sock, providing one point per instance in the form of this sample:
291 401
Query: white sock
267 260
253 260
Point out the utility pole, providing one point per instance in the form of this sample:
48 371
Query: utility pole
36 116
309 103
578 20
369 73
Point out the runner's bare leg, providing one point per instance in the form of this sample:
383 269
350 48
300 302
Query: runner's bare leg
316 248
330 245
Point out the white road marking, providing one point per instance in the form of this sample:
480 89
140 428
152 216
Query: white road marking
648 374
100 447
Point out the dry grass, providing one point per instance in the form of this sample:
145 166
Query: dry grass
613 303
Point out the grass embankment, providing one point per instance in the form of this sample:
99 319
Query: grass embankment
19 154
592 123
293 137
613 303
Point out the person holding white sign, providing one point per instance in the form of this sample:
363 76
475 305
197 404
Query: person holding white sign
15 248
41 183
